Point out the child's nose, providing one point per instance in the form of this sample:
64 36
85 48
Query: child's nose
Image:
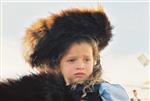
80 65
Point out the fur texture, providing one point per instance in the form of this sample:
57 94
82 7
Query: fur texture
43 40
43 87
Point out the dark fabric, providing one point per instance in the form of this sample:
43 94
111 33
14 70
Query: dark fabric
91 96
44 87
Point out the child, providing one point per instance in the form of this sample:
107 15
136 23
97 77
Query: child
69 44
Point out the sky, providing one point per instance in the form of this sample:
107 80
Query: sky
119 60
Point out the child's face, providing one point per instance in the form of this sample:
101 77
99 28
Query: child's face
77 64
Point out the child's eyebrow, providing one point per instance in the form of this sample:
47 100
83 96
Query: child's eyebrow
71 56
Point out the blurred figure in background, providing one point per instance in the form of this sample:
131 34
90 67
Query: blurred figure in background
135 96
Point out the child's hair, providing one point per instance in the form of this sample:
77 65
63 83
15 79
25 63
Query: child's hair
47 41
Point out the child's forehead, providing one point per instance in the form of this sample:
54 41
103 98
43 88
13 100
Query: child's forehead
81 45
83 49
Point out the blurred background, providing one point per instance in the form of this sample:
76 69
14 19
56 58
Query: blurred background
124 61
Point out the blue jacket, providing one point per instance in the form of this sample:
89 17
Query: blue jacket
102 92
112 92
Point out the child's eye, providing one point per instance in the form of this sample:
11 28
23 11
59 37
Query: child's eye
87 60
71 60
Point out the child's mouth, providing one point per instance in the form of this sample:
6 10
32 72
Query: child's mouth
79 75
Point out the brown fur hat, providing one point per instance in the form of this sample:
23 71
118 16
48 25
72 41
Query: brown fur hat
43 40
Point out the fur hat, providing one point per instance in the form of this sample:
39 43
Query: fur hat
43 40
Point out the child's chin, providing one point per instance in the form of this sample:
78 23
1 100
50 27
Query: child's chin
79 80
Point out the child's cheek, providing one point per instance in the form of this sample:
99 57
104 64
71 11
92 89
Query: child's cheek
90 65
90 68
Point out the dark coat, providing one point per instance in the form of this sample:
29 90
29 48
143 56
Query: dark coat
90 96
42 87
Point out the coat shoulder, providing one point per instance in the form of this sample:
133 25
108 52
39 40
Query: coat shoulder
35 87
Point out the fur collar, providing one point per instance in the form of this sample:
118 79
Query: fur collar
41 87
